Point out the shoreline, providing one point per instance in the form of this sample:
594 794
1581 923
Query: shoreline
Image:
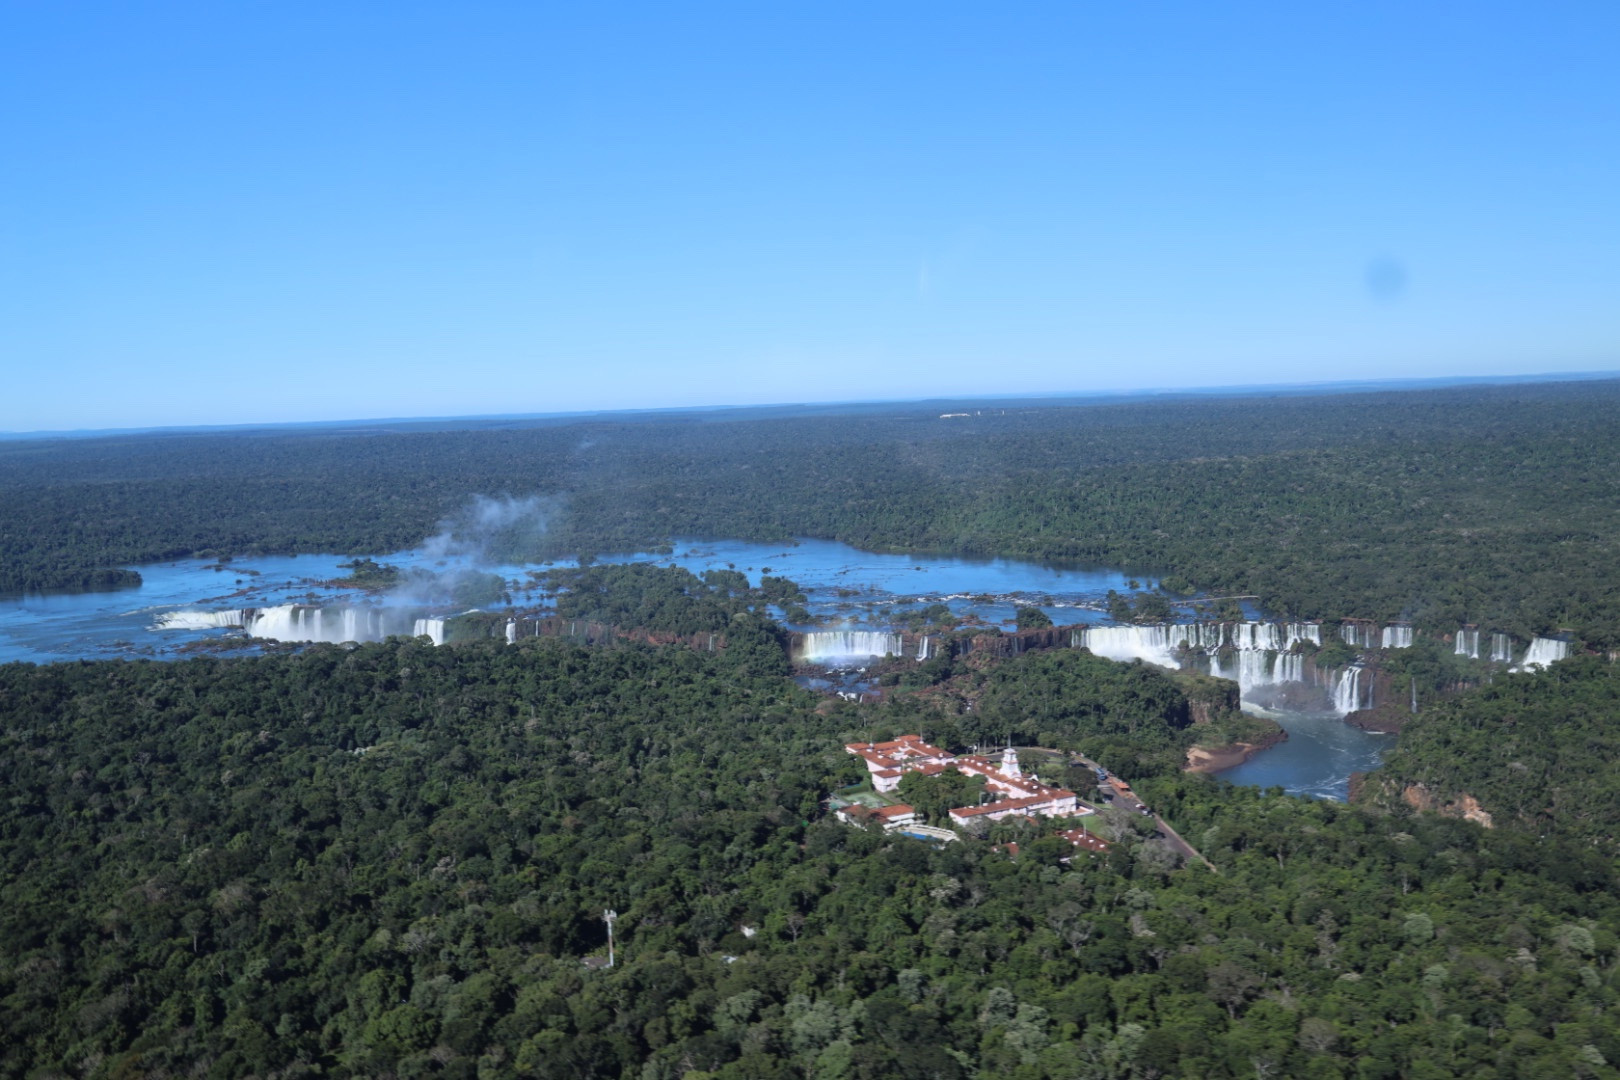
1212 759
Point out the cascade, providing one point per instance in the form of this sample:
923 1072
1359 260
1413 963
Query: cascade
198 620
1397 636
1501 649
363 624
1347 691
922 648
432 628
1154 644
1257 635
1248 668
822 646
284 622
289 622
1543 651
1467 643
1303 631
1348 631
1199 637
511 631
1251 668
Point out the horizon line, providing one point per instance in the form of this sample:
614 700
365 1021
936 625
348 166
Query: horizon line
1325 388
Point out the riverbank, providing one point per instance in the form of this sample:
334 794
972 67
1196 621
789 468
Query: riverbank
1209 759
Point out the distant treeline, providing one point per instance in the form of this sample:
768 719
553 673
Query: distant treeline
1493 505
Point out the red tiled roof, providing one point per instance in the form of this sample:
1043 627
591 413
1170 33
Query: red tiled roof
1004 804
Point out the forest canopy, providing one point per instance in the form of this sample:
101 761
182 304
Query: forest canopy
1492 505
393 858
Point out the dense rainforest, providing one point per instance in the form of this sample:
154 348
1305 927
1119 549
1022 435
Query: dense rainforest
1491 505
393 859
1537 751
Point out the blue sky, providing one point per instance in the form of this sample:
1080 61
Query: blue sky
235 213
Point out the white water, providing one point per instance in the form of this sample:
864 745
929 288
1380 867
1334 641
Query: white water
1349 632
1273 636
295 622
287 622
1254 668
922 649
1310 631
1467 643
1543 651
1251 654
198 620
1501 649
1397 637
1202 637
1153 644
828 646
1347 691
304 622
430 628
1256 635
511 631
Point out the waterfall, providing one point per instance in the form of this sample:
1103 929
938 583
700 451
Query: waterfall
198 620
365 624
1199 637
825 646
511 631
1397 636
303 622
1252 668
922 648
1348 632
1257 635
1252 654
1467 643
284 622
1246 667
1501 649
1347 691
1154 644
1302 631
1543 651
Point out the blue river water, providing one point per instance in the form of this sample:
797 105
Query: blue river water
852 587
1318 758
846 587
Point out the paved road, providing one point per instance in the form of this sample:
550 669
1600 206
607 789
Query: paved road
1115 792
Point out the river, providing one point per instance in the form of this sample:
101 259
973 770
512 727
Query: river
845 585
1318 758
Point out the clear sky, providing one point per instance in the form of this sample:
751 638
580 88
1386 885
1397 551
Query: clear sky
247 212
